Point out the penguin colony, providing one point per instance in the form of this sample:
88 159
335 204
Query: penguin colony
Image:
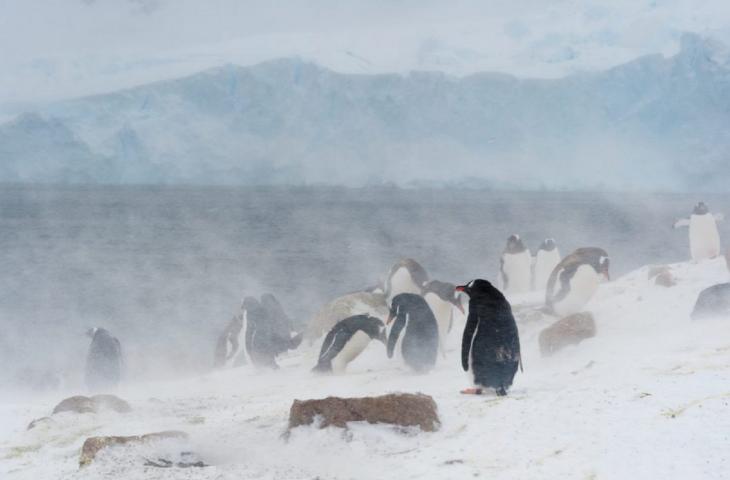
412 315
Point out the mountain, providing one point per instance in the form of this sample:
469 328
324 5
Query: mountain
653 123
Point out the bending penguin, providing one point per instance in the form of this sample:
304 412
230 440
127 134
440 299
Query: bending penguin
490 347
515 266
421 338
228 345
574 281
406 276
704 239
264 342
347 339
546 259
441 298
104 361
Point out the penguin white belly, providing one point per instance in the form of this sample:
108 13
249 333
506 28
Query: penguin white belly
545 263
583 285
517 269
704 239
402 282
442 311
354 347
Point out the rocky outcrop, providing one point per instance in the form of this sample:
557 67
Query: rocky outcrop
570 330
81 404
93 445
403 409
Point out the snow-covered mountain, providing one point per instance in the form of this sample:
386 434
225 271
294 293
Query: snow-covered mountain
656 122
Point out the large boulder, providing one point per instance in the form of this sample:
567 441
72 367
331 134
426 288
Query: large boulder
713 301
403 409
81 404
93 445
570 330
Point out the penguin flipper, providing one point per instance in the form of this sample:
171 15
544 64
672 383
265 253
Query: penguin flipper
682 222
466 339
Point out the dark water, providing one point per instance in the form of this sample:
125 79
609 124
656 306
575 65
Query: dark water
165 268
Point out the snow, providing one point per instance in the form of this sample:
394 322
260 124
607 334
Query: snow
646 398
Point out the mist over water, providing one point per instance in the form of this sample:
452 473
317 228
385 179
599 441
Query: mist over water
165 268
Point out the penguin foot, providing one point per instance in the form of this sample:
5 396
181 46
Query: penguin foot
501 392
472 391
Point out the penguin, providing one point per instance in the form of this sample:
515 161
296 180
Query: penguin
574 281
713 301
104 361
441 298
421 338
406 276
490 346
515 266
263 340
357 303
228 345
347 339
704 239
546 259
282 325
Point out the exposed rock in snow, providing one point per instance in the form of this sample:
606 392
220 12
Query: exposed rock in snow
81 404
570 330
93 445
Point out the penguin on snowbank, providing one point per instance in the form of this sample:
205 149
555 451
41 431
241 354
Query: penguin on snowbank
421 338
704 239
406 276
104 361
546 259
347 340
575 279
515 266
442 298
490 346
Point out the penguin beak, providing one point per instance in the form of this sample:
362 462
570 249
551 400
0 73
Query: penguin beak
460 288
390 318
606 277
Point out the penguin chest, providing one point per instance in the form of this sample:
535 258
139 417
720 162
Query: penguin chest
402 282
545 263
442 311
516 272
704 239
350 350
581 287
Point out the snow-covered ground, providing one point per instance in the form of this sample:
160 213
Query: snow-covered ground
648 397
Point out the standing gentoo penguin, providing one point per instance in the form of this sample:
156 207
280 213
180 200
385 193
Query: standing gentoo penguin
421 338
263 341
228 344
358 303
704 239
575 279
104 360
546 259
347 340
406 276
441 298
490 346
515 266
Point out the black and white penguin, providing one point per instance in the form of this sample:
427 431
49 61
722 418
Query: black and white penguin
490 346
264 341
546 259
347 339
357 303
421 338
104 361
442 298
515 267
575 279
406 276
713 301
229 341
704 238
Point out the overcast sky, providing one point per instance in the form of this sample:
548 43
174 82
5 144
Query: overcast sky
51 49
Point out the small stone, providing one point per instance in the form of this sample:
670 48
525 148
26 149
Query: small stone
665 279
570 330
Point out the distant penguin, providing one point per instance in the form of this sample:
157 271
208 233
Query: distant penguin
281 323
546 259
347 339
490 346
704 238
263 340
713 301
228 345
406 276
575 279
442 298
358 303
515 267
104 361
421 338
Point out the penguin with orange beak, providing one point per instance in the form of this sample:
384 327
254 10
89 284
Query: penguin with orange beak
490 346
421 337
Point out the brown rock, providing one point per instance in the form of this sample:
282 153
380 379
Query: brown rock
81 404
404 409
665 279
570 330
93 445
655 270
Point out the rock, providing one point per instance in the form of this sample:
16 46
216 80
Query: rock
93 445
713 301
655 270
40 422
404 409
665 279
570 330
81 404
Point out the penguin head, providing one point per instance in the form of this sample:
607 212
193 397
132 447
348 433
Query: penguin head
548 245
250 304
445 291
515 244
700 209
480 288
597 258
